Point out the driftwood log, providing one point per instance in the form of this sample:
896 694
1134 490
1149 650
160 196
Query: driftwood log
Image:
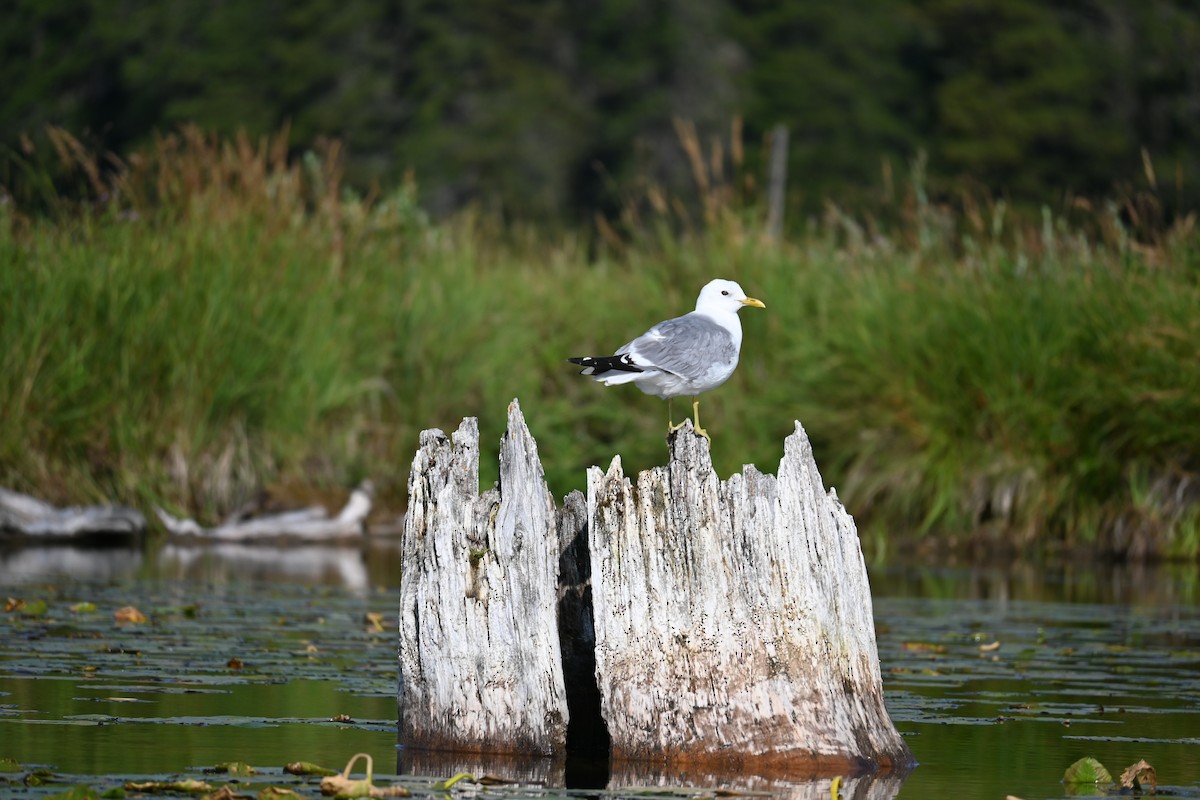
22 515
313 524
722 625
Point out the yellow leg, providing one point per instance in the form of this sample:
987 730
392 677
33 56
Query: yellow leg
671 428
696 411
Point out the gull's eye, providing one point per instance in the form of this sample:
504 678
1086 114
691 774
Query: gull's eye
725 292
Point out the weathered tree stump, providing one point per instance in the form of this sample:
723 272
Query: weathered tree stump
706 623
733 619
480 669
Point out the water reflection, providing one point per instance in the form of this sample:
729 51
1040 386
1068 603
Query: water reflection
1147 585
1000 676
353 568
56 562
637 779
515 769
376 563
863 787
228 563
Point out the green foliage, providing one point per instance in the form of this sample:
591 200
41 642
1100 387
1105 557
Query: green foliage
1015 98
1086 770
545 110
836 80
235 319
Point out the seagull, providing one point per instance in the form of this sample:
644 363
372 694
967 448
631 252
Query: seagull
682 356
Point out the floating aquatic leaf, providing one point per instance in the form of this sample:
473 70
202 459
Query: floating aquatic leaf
275 792
923 647
10 765
35 608
188 786
129 614
1139 776
13 604
307 768
988 648
80 792
225 793
83 607
234 663
375 620
40 777
235 768
1087 770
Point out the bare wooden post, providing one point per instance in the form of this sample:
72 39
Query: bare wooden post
480 666
733 619
777 182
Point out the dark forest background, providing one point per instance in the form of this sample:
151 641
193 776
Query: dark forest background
545 110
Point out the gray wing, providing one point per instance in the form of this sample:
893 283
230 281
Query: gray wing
687 346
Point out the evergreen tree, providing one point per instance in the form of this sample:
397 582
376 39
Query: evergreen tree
836 77
1014 96
545 109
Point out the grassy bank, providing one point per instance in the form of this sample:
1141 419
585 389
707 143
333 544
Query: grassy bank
227 320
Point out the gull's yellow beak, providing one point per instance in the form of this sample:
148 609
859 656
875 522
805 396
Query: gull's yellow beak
750 301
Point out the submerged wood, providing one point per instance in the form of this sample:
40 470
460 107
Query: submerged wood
311 524
23 515
733 619
480 665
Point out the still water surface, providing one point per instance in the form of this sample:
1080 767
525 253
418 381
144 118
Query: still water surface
1000 677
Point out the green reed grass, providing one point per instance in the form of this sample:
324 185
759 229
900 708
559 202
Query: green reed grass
228 319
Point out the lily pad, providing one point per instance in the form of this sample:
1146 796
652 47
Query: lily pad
35 608
235 768
308 768
189 786
1086 770
81 792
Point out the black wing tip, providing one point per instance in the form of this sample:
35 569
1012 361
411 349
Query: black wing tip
598 365
587 362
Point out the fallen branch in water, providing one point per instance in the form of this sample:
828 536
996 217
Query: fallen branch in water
308 524
23 515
